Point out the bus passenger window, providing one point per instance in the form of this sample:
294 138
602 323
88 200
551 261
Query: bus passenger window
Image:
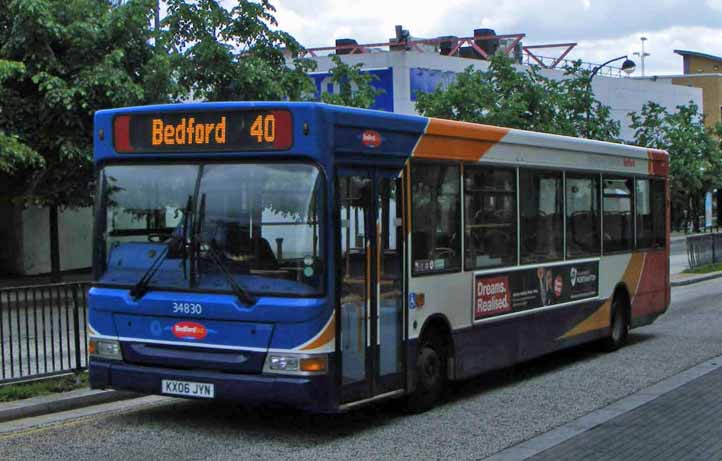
659 214
617 225
540 200
582 202
645 214
490 217
436 243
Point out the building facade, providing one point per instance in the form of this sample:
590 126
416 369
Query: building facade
402 74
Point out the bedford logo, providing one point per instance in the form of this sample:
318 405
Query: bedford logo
573 276
189 330
371 138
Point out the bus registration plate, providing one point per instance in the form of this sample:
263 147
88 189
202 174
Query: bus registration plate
188 389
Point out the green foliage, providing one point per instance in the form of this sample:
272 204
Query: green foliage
60 61
505 96
219 54
695 162
355 89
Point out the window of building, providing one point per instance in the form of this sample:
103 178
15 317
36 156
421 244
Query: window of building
436 215
582 202
618 225
489 217
540 200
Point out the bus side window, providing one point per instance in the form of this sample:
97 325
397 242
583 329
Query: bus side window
618 227
645 214
659 214
582 202
489 216
436 216
540 200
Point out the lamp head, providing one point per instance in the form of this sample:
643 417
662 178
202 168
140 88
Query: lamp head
628 66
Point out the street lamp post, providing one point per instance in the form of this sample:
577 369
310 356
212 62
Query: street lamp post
628 67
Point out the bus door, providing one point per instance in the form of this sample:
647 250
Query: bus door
370 308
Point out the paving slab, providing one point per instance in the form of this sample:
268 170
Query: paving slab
678 418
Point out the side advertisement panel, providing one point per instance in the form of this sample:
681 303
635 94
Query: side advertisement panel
520 290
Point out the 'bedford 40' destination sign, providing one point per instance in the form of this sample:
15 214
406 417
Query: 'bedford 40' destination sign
212 131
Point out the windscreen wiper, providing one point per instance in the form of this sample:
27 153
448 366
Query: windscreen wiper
141 288
241 293
238 290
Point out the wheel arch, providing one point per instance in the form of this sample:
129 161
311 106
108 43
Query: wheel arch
438 325
622 291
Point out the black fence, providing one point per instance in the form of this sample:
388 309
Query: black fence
43 331
704 249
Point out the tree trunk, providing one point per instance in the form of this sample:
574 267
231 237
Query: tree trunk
54 245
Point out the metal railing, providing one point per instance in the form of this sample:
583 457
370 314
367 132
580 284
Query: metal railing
704 249
43 330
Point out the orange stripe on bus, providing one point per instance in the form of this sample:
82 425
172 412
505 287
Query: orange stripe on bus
448 139
327 335
601 318
597 320
633 273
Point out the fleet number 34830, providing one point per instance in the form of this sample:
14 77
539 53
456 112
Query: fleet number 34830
187 308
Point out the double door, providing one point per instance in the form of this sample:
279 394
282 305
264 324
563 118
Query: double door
370 309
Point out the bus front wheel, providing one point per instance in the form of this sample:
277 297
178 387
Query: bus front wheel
430 377
619 324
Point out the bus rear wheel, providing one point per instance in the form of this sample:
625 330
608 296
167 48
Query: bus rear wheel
619 325
430 377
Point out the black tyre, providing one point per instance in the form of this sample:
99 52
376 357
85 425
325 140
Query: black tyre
619 326
430 377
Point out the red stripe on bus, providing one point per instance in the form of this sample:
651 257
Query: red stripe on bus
658 162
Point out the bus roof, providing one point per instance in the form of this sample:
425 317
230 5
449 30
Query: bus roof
328 133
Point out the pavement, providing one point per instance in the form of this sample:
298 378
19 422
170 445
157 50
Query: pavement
55 403
678 419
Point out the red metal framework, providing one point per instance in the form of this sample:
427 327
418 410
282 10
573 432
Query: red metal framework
415 44
540 59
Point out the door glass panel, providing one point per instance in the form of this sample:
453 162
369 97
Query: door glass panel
355 200
390 310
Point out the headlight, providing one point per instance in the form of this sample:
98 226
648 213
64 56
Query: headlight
296 364
104 349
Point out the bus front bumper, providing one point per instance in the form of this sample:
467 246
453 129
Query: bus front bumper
309 393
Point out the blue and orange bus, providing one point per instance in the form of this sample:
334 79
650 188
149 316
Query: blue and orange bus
324 257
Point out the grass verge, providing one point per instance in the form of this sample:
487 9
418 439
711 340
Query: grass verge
11 392
706 269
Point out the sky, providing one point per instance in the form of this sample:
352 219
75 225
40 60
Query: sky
602 29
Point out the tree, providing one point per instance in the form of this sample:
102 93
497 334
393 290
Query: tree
695 162
220 54
505 96
60 61
355 86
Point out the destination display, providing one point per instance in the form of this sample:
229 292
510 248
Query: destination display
211 131
521 290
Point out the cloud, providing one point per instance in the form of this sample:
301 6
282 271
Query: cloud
602 29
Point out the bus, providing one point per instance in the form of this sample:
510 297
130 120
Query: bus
324 257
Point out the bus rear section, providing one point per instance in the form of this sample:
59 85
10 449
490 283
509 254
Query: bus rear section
211 282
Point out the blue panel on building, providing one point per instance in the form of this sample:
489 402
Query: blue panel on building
384 81
427 80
